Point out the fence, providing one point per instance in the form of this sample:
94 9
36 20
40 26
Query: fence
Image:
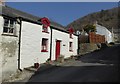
92 38
96 38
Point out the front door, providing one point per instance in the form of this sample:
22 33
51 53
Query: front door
57 49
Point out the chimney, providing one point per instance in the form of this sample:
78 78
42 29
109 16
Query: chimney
2 2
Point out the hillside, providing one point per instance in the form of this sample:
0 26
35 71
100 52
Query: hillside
107 18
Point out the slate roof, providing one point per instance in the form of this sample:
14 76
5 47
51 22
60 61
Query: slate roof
8 11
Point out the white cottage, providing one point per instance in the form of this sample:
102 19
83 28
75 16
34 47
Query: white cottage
104 31
26 39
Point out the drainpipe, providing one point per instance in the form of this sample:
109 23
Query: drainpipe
19 43
78 46
51 44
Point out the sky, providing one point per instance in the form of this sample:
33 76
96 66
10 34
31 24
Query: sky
62 12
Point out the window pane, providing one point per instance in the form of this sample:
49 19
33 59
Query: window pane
6 22
9 26
45 29
70 46
5 29
10 30
11 23
44 44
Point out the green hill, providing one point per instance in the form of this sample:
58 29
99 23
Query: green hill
107 18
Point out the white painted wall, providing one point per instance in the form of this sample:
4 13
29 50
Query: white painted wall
31 38
104 31
1 21
65 39
8 52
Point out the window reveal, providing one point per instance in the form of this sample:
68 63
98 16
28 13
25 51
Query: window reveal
9 26
70 46
44 45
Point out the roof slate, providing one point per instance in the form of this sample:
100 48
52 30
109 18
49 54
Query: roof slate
8 11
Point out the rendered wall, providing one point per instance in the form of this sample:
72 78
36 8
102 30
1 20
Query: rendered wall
8 52
31 38
65 39
104 31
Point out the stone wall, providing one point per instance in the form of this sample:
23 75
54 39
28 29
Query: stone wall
87 47
8 52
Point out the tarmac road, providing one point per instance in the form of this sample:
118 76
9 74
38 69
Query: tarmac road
98 66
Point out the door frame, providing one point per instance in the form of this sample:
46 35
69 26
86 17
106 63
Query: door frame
56 57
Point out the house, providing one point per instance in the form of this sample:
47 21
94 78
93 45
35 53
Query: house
101 30
26 39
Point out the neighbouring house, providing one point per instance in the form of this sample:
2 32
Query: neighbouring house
116 34
26 39
101 30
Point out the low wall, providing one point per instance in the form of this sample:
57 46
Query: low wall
87 47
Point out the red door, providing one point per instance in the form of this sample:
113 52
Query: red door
57 49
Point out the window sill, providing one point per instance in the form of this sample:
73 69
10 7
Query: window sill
6 34
71 50
45 32
71 37
44 51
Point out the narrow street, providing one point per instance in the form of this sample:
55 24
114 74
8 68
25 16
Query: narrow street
98 66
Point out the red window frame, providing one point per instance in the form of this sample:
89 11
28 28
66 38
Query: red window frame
71 32
45 28
71 35
44 45
71 46
46 24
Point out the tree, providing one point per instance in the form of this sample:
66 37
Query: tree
90 28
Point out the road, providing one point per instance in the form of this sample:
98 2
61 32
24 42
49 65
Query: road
98 66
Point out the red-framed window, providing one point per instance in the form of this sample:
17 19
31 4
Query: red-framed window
71 35
44 45
45 29
71 46
46 24
71 32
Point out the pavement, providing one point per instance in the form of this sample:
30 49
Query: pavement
27 73
96 66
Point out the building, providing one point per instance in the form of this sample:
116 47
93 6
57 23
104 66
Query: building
26 39
116 34
101 30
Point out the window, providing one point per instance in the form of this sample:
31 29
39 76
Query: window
71 46
71 32
9 26
44 45
46 23
70 35
45 29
